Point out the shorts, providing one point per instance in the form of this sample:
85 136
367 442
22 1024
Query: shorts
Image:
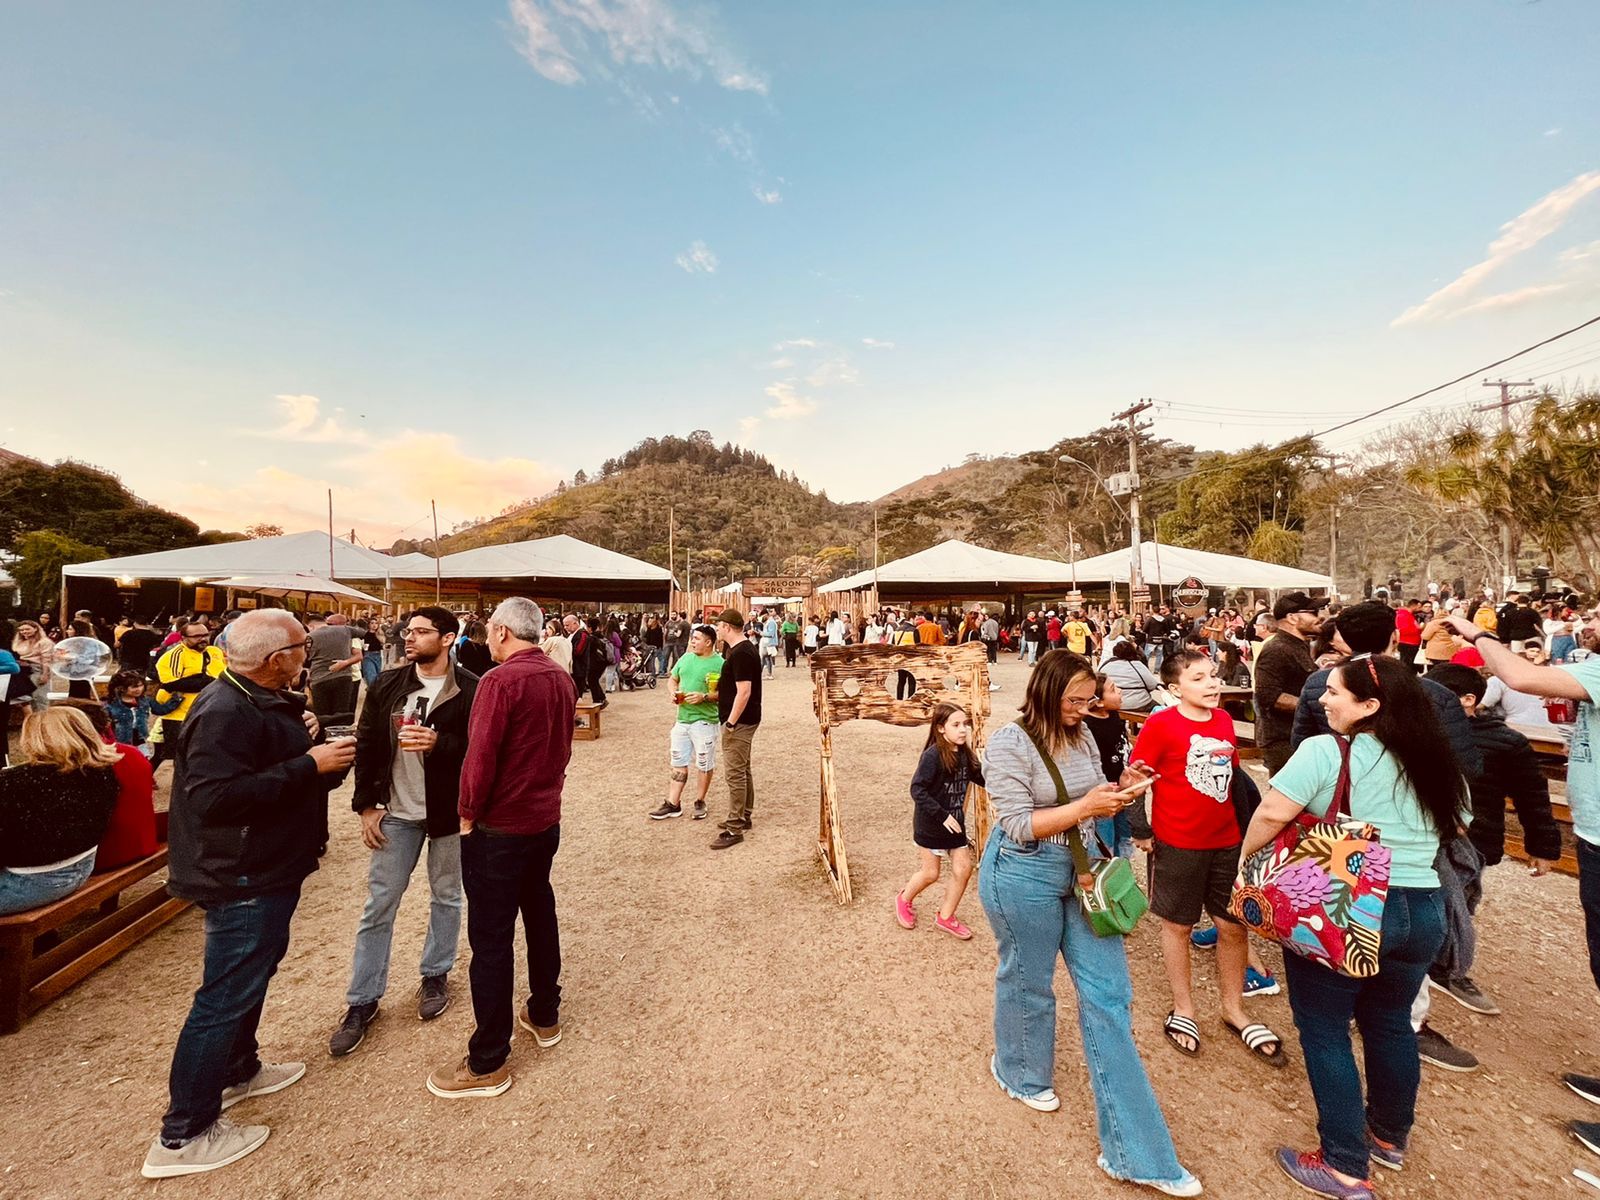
695 742
1182 882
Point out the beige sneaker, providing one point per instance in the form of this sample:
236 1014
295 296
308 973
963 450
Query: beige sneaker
457 1082
221 1144
545 1035
272 1077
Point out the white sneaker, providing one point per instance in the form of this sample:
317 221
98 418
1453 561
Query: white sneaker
272 1077
1045 1101
221 1144
1187 1186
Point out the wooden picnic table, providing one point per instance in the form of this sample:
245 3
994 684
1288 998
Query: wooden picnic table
1244 731
1549 743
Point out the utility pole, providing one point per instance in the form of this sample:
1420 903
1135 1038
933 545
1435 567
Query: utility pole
1135 572
1507 566
672 512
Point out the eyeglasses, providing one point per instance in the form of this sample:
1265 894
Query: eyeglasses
195 637
305 645
417 631
1079 701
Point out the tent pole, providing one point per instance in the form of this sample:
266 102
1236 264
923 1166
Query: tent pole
434 507
330 534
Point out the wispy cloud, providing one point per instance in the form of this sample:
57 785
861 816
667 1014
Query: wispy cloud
567 41
1517 236
380 484
834 372
788 404
875 344
303 422
801 343
698 259
765 195
1554 132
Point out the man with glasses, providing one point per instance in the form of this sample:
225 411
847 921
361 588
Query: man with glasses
184 672
1282 668
249 787
409 748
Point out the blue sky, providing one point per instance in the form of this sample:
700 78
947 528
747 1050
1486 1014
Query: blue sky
461 250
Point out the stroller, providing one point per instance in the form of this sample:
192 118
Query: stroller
635 670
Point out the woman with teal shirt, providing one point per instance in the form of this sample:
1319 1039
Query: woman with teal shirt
1396 784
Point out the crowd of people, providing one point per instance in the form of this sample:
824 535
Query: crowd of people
458 732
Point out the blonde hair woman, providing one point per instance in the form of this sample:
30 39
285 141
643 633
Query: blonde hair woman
32 649
54 808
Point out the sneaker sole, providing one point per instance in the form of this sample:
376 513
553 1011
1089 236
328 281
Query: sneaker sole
522 1022
661 816
1036 1105
1384 1162
422 1016
1594 1147
701 815
1444 1066
960 937
1592 1099
177 1169
1306 1187
476 1093
266 1091
1272 989
1489 1011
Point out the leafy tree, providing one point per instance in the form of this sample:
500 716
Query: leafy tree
41 555
1227 497
86 504
1271 542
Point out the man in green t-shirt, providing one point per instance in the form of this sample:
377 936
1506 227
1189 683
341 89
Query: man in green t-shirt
694 734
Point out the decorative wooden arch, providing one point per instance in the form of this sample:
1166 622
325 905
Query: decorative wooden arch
958 674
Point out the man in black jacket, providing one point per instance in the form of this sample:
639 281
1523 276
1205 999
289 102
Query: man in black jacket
247 792
409 748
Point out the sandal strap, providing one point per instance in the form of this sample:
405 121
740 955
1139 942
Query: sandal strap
1185 1025
1257 1036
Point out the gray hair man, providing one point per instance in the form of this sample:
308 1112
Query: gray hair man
249 799
518 746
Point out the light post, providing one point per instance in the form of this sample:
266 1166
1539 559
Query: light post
1134 566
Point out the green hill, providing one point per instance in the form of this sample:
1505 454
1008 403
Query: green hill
733 514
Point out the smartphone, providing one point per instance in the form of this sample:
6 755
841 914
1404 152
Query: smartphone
1134 791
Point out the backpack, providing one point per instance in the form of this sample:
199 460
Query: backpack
608 651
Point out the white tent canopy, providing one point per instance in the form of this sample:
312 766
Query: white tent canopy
558 557
955 565
1176 563
280 585
291 554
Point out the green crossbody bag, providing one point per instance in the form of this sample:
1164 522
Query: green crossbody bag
1107 891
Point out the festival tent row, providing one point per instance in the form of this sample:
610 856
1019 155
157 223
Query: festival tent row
559 568
958 569
1168 566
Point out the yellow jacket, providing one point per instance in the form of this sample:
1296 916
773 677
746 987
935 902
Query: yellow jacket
180 662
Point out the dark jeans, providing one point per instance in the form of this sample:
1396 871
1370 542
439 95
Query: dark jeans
791 648
994 650
597 691
1589 896
505 874
1324 1002
333 697
245 941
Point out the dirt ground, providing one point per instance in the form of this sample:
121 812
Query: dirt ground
732 1032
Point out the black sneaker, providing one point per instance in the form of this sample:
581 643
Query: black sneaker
1434 1048
666 810
352 1029
700 810
1464 992
433 997
1587 1132
728 837
1586 1086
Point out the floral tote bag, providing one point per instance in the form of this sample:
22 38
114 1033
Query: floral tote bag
1318 888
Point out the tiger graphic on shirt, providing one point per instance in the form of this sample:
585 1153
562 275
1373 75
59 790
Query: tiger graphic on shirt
1209 766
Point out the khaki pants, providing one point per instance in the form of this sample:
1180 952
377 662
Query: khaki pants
736 744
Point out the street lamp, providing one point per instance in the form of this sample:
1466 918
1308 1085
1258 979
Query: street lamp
1133 523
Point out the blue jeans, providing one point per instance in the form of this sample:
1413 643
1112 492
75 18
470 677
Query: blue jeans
506 874
371 666
1116 831
20 892
245 941
1026 891
1589 897
388 874
1032 649
1324 1003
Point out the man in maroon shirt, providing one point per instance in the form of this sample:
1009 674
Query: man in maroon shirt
519 740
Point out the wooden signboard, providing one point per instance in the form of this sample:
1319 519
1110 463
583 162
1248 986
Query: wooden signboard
1191 595
777 585
899 685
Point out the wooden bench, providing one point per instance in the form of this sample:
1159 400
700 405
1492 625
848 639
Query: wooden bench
586 725
36 966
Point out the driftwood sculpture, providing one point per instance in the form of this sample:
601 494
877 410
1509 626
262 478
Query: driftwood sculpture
875 683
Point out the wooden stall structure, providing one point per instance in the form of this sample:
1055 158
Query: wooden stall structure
862 683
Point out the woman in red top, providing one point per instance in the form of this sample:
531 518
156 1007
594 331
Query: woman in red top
1191 752
131 833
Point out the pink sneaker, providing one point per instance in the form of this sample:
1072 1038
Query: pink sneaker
953 927
903 912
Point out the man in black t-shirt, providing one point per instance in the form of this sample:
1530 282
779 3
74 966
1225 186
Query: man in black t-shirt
739 709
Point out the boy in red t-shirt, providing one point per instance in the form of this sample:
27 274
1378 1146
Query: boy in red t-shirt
1194 848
